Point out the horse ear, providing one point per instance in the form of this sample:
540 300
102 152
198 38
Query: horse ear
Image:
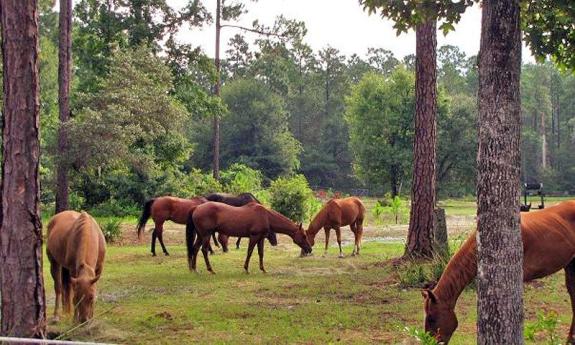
94 280
428 294
301 226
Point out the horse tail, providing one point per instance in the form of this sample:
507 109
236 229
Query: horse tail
146 213
190 238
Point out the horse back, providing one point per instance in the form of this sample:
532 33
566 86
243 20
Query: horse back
230 220
173 208
75 239
345 211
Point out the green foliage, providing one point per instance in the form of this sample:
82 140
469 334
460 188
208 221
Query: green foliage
267 146
291 197
547 324
112 229
421 336
380 117
239 178
415 274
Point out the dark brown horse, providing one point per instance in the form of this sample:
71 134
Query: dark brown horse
237 200
335 214
76 249
548 246
162 209
252 220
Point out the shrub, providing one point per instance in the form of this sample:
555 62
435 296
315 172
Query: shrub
112 229
415 274
116 208
291 197
422 337
546 323
239 178
199 183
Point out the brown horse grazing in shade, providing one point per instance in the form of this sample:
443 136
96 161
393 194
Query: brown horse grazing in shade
237 200
162 209
252 220
76 249
335 214
548 246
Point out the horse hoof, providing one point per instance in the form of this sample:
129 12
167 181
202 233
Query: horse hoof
263 271
341 256
212 272
167 254
153 254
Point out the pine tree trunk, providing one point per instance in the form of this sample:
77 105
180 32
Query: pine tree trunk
64 68
543 142
22 286
217 88
421 218
500 249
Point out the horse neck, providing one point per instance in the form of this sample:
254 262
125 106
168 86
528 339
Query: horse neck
460 271
84 233
280 223
317 222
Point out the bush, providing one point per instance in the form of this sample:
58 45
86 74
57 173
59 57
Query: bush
414 274
112 229
116 208
291 197
239 178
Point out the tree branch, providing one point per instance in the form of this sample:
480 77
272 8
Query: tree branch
259 32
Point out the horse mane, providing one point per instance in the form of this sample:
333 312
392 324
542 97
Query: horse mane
320 218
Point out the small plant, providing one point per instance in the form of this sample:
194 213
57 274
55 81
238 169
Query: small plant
396 206
547 324
378 211
422 337
416 274
112 229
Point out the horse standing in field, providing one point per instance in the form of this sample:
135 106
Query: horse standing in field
76 249
335 214
239 200
548 246
162 209
252 220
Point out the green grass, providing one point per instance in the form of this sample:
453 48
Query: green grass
147 300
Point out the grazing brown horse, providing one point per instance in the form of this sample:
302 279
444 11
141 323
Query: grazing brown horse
252 220
76 249
335 214
162 209
239 200
548 246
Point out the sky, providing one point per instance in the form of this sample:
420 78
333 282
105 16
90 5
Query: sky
341 24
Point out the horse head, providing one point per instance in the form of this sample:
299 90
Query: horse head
300 238
440 319
84 297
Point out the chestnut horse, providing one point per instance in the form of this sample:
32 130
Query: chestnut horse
239 200
252 220
162 209
335 214
76 249
548 246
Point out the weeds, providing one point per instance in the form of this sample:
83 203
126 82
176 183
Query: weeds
422 337
112 229
547 324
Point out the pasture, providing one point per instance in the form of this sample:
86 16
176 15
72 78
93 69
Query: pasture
312 300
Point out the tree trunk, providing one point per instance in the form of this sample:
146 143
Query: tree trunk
22 286
421 219
64 68
543 142
500 249
217 88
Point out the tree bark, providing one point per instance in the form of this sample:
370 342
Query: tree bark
500 248
22 286
421 219
217 88
64 69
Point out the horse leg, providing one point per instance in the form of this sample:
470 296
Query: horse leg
261 254
356 239
215 240
154 236
238 243
570 283
66 290
56 272
223 239
338 235
326 229
251 245
206 243
160 234
195 250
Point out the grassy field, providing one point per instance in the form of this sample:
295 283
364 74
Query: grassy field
312 300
